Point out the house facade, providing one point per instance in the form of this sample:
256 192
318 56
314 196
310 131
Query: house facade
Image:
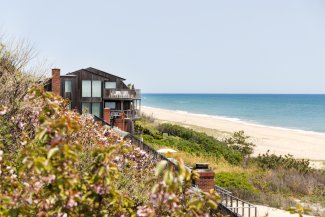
99 93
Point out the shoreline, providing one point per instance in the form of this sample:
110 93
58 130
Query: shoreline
237 120
301 144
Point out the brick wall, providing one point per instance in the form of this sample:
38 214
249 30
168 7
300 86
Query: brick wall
120 121
206 180
56 83
107 115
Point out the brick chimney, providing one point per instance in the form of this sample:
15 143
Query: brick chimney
107 115
120 122
56 83
206 180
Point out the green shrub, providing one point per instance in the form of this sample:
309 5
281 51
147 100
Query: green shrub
142 126
233 181
196 149
197 143
239 142
272 161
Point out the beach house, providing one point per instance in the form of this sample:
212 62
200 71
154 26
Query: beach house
99 93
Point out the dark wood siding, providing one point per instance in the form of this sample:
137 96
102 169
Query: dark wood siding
93 74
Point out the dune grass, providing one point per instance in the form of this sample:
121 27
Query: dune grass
278 187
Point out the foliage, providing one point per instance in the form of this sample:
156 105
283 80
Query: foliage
143 127
239 143
299 210
16 76
174 195
73 166
272 161
234 180
196 143
55 162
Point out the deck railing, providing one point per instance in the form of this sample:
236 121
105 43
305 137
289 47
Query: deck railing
236 205
132 114
122 94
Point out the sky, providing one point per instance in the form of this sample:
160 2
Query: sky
180 46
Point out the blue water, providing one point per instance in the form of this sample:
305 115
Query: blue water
302 112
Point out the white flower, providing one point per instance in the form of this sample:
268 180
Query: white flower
21 125
3 110
1 152
26 184
25 160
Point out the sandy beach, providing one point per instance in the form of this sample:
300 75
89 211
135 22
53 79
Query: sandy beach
301 144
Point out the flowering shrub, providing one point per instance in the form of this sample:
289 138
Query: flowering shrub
55 162
173 195
65 164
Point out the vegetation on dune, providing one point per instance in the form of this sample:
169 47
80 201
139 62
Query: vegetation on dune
272 161
234 180
55 162
267 179
188 140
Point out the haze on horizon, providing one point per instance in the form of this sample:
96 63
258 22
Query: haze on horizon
184 46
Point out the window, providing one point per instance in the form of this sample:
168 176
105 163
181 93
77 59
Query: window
67 86
110 85
91 88
96 109
85 107
111 105
86 88
97 89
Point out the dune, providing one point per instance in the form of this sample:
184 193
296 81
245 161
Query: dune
281 141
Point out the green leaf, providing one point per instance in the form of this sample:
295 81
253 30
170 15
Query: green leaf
52 152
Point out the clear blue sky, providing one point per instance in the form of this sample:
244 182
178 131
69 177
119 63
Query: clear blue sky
261 46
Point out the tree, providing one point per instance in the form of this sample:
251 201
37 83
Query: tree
239 142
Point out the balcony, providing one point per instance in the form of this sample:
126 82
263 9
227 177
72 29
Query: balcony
122 94
131 114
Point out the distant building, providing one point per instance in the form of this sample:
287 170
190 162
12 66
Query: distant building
99 93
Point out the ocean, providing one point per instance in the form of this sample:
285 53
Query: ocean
294 111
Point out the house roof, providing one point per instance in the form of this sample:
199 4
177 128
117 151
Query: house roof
97 72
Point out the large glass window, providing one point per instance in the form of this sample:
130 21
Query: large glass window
85 107
86 88
97 89
93 89
67 86
110 85
111 105
96 109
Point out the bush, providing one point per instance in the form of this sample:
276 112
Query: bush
142 127
197 143
239 143
73 166
272 161
55 162
234 181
